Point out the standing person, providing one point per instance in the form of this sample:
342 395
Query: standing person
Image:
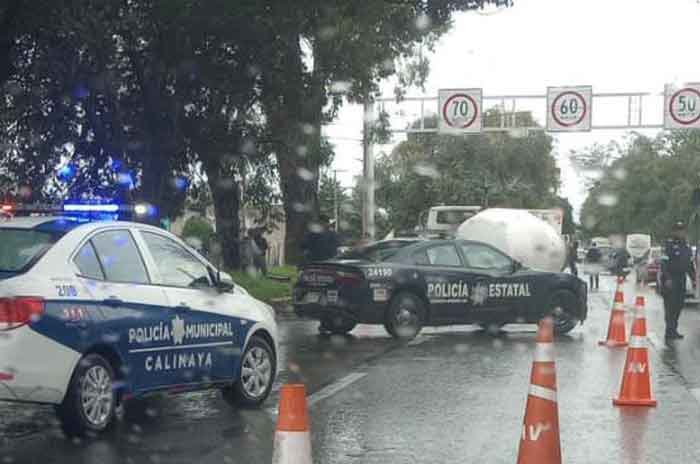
320 245
572 257
261 247
675 265
592 261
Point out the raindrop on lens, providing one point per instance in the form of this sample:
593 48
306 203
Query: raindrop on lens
607 199
422 22
305 174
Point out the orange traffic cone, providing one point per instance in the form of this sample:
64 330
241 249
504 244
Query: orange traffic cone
617 335
292 436
539 443
636 378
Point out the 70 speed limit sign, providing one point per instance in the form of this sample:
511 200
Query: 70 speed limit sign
569 108
459 111
682 107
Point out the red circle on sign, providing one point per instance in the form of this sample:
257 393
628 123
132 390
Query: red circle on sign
583 113
447 103
673 99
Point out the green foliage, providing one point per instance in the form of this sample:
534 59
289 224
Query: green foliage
198 228
490 170
268 289
646 188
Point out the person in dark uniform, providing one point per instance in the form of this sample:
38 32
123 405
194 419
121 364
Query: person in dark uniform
320 245
593 266
572 257
675 265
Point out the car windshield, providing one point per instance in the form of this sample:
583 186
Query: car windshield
21 247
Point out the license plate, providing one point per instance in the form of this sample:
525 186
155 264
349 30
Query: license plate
332 296
312 297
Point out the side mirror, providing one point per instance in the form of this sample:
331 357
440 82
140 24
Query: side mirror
224 282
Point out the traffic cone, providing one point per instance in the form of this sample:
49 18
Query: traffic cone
636 378
292 436
616 327
539 442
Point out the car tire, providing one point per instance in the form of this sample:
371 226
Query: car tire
405 316
561 307
338 325
93 379
256 375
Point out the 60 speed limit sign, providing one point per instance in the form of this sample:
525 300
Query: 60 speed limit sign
459 111
682 107
569 108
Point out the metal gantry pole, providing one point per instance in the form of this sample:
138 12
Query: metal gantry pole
368 172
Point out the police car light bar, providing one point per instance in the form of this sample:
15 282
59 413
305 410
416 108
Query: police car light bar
87 208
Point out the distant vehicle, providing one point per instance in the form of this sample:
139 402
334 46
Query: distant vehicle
638 246
648 269
554 217
436 282
446 219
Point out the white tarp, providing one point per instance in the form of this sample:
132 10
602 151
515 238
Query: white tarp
520 235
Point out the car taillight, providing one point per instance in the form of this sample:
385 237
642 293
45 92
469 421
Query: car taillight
16 312
348 278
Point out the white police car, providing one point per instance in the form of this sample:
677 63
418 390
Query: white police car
94 313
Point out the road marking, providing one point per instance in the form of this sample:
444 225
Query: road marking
335 387
416 341
327 391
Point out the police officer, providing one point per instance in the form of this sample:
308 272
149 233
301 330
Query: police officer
675 264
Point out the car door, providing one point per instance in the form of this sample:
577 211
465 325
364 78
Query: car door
206 335
135 314
446 281
497 291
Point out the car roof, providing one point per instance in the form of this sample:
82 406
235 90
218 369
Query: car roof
67 223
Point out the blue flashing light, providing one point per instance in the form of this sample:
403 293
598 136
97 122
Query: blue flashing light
66 173
88 208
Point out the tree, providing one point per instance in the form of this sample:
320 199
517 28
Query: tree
646 188
488 170
324 52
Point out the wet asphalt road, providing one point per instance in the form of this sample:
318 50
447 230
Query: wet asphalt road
453 395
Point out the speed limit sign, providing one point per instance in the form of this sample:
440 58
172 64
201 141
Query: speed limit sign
569 108
682 107
459 111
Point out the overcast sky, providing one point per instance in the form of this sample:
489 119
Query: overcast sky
613 45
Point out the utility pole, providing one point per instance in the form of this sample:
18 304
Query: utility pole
368 171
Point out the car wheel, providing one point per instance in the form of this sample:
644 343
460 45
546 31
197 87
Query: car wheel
405 316
255 377
562 307
90 403
338 325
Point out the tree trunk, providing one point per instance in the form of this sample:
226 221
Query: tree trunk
227 203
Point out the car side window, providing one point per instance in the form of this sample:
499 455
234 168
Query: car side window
443 255
87 262
483 257
177 267
119 257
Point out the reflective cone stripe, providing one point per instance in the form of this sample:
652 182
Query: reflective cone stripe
639 315
292 443
636 377
617 335
539 441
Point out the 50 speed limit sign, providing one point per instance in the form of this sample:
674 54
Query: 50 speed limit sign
682 107
569 108
459 111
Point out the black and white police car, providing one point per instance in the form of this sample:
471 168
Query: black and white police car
92 314
407 284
